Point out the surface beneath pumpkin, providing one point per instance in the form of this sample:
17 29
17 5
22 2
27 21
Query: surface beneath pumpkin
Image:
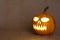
23 34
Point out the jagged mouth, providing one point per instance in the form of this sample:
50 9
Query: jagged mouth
40 27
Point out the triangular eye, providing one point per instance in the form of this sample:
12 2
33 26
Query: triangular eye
35 19
44 19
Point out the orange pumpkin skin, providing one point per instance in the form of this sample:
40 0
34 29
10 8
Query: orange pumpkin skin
43 26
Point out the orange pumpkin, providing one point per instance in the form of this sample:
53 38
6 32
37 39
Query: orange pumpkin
43 23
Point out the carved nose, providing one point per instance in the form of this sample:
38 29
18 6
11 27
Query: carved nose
39 22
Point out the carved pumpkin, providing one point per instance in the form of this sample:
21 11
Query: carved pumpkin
43 23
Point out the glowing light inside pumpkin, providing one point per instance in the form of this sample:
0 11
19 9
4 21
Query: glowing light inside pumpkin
39 22
44 19
38 27
35 19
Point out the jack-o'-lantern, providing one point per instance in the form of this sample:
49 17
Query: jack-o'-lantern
43 23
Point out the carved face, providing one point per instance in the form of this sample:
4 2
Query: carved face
43 24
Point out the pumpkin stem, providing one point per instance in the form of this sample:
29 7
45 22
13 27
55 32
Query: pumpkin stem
45 9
